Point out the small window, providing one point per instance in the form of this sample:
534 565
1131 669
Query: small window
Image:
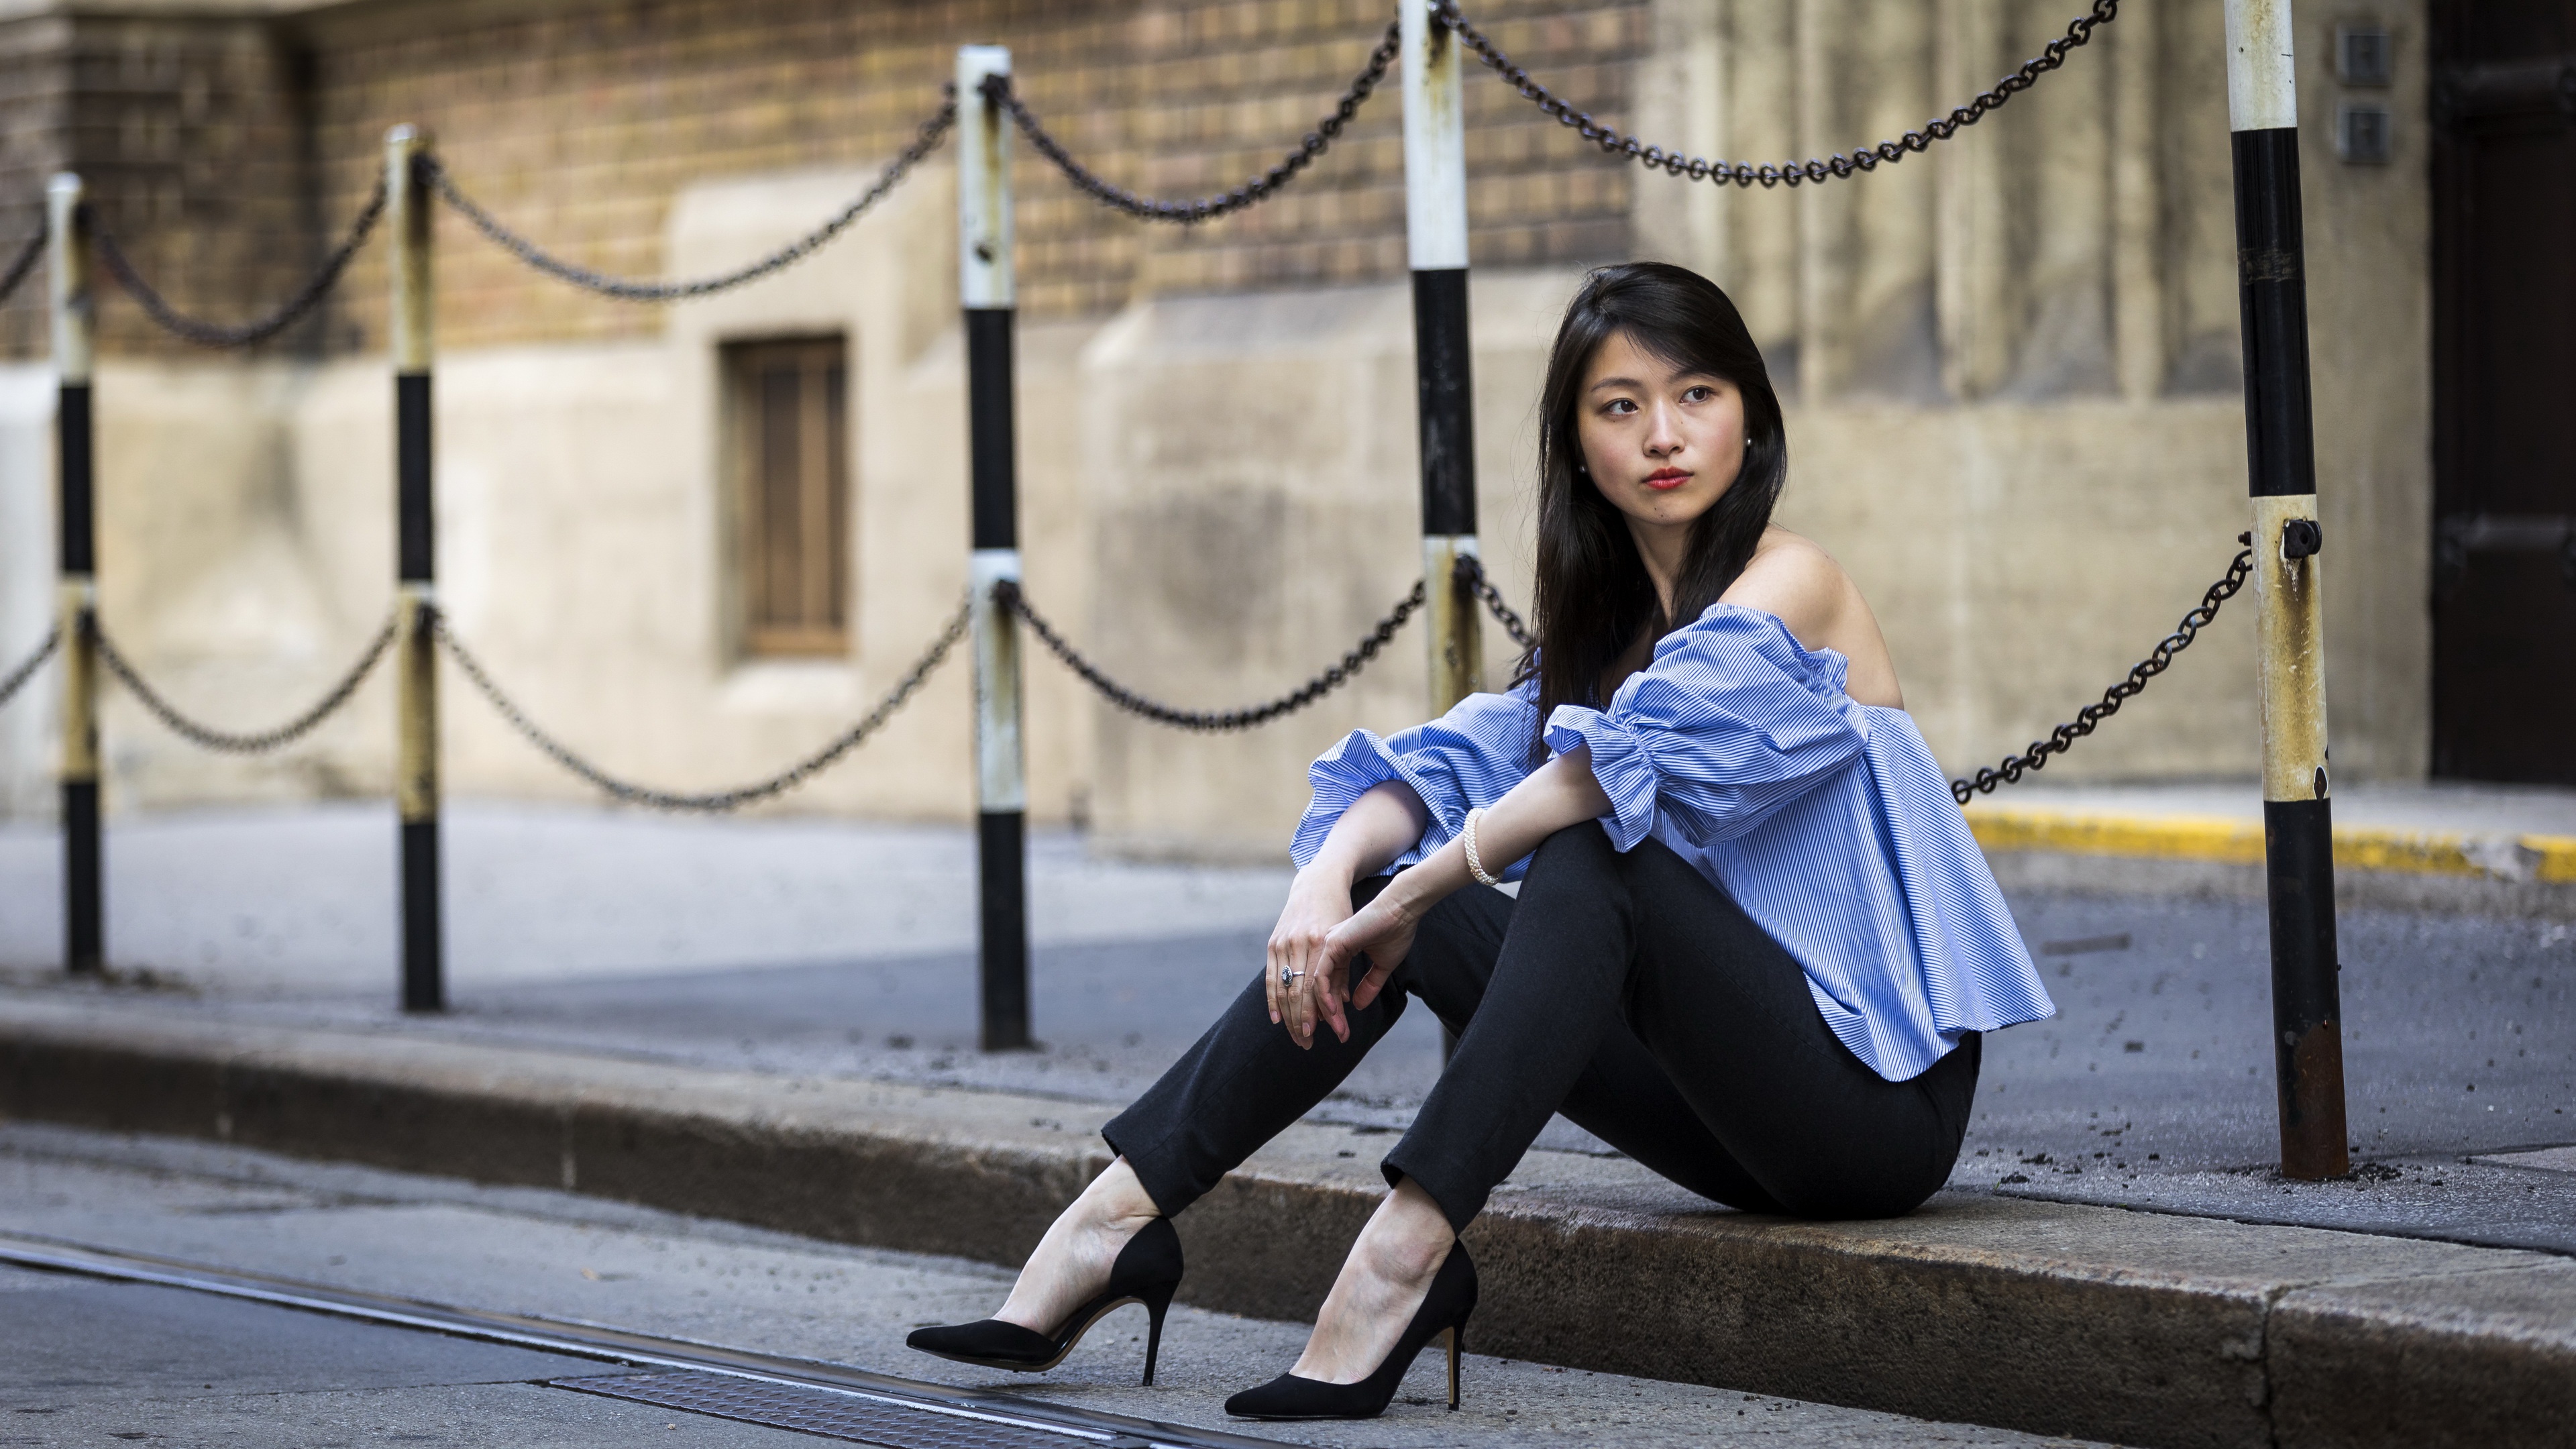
2363 56
787 410
2364 134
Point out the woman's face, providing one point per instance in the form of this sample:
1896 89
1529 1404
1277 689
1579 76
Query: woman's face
1662 443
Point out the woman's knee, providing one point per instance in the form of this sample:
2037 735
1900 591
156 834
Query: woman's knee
1580 849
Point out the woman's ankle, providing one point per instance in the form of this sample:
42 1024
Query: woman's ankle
1117 1197
1081 1246
1408 1235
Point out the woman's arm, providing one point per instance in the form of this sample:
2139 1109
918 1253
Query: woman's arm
1559 793
1379 826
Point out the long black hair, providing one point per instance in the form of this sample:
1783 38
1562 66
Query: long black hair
1594 597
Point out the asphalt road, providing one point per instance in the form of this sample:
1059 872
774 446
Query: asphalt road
84 1361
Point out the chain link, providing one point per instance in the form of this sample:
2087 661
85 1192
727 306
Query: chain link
2065 735
1745 173
715 801
1007 594
997 90
625 289
19 676
24 264
1471 572
226 741
216 334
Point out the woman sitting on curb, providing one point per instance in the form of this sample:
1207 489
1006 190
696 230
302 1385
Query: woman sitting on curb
1754 944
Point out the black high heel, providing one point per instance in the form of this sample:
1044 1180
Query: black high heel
1443 1313
1147 1271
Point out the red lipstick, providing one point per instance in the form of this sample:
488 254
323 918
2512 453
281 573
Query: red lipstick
1665 480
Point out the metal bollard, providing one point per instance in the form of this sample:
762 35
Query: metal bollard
1435 226
1435 239
2298 826
987 288
415 660
76 593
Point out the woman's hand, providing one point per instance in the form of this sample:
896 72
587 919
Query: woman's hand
1382 935
1318 900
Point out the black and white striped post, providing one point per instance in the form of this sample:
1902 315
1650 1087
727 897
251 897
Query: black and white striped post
1435 229
2298 826
986 289
412 313
76 567
1435 244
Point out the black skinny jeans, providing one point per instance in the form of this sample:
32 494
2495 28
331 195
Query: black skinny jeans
1623 990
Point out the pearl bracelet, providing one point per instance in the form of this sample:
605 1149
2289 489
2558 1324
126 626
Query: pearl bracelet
1475 860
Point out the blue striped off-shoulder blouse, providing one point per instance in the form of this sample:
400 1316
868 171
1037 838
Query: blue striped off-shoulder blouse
1825 819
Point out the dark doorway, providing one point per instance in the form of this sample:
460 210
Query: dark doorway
2504 381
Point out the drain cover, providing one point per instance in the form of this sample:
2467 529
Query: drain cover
863 1418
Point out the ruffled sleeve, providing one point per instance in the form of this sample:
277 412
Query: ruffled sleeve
1731 721
1467 758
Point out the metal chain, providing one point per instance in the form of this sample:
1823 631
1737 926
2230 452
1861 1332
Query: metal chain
1471 572
2065 735
1745 173
226 741
19 676
216 334
626 289
24 264
716 800
997 90
1007 594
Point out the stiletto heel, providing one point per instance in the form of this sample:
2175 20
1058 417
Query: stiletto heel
1155 1308
1444 1310
1148 1271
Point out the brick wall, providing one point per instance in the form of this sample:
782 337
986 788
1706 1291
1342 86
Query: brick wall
230 152
194 139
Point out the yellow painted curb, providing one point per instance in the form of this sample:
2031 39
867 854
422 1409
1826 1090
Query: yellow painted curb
2557 857
2233 841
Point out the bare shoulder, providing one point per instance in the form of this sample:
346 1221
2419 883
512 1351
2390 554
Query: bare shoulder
1798 583
1792 579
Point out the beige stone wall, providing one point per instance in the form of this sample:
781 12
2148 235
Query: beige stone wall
2011 367
2015 358
2013 378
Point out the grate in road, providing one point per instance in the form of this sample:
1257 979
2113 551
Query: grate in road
841 1415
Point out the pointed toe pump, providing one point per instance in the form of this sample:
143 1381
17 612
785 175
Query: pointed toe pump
1148 1270
1443 1315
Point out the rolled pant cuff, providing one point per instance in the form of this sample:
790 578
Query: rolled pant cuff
1457 1201
1161 1177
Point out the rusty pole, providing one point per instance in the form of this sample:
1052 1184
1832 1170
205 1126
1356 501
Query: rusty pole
76 568
986 284
2298 820
414 311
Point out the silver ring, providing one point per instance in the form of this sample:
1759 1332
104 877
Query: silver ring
1286 975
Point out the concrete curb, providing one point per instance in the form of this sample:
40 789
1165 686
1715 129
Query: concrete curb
2503 874
2047 1317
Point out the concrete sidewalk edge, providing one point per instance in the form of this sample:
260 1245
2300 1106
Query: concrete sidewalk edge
2053 1318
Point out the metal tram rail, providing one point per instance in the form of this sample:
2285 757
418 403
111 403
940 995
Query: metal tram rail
788 1393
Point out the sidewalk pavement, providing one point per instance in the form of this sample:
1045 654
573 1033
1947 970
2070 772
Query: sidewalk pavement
603 1036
